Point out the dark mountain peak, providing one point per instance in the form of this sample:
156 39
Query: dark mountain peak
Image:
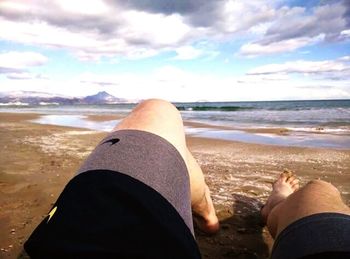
103 94
101 97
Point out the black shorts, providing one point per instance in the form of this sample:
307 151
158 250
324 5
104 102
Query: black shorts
323 235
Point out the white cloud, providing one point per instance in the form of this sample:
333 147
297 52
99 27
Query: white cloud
263 78
154 29
256 49
91 7
21 60
188 52
345 58
20 76
339 68
238 16
15 63
297 27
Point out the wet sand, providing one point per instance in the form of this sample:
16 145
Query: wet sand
104 117
36 161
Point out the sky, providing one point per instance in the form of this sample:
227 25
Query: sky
183 50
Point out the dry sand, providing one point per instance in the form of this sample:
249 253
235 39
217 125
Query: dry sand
36 161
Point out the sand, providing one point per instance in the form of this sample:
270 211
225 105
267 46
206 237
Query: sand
104 117
36 161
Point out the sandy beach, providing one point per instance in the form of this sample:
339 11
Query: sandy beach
36 161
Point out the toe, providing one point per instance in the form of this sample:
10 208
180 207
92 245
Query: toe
288 173
295 184
283 177
295 187
291 179
294 181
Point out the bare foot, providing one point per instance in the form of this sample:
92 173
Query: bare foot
204 214
284 186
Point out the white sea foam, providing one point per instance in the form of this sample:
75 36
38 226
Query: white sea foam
321 129
14 104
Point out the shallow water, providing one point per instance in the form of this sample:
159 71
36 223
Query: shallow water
302 139
293 139
78 121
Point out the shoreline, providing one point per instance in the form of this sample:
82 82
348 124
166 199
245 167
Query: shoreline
37 161
278 136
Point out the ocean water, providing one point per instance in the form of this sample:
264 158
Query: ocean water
311 123
330 115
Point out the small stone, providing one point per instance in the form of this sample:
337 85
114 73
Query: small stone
57 175
241 230
10 246
225 226
13 231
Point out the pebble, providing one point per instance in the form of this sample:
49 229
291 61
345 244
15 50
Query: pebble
13 231
10 246
241 230
225 226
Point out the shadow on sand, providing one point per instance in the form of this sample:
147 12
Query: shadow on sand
242 234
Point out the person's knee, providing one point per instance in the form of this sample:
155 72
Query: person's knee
158 105
322 186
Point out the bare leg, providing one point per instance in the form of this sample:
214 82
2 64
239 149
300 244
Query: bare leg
163 119
287 204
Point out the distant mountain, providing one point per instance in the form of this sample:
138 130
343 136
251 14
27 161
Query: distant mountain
40 98
102 98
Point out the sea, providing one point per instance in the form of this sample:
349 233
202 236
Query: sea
316 123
